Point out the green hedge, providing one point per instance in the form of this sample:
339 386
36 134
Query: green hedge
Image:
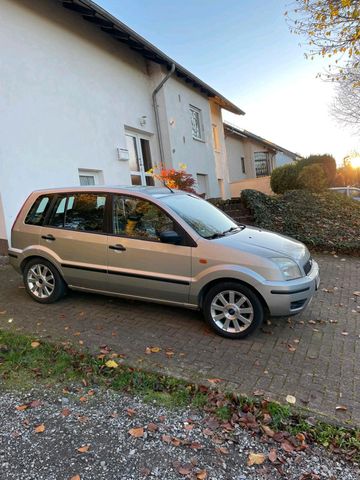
323 221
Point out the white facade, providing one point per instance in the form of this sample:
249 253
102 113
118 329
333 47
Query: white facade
250 157
70 93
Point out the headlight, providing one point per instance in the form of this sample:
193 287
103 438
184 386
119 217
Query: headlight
288 267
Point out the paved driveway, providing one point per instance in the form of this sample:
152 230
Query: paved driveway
314 356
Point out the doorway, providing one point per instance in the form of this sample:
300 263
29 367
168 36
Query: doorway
139 159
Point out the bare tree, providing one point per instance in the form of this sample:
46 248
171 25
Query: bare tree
346 107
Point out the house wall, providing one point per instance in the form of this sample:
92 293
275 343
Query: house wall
261 184
180 147
68 92
235 149
282 158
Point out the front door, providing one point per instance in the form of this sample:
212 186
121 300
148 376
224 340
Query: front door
139 159
138 263
75 237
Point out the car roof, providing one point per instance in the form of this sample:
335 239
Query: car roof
151 191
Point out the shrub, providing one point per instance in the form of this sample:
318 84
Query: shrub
324 221
313 178
285 178
176 179
327 163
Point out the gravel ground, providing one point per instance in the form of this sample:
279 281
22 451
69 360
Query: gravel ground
175 443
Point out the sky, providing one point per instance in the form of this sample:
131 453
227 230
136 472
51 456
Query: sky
244 49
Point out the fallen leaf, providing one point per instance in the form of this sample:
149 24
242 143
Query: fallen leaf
287 446
111 364
21 408
291 348
131 412
341 408
76 477
357 294
136 432
34 404
83 399
152 427
312 322
83 449
272 455
222 450
258 393
166 438
65 412
267 430
40 428
185 469
201 475
35 344
255 459
291 399
214 380
176 442
196 446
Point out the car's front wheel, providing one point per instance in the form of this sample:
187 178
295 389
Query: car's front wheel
233 310
42 281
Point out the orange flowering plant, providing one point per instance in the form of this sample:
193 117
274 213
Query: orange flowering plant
176 179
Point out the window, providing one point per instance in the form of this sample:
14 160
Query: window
243 165
38 211
138 218
196 123
81 211
90 177
261 164
87 180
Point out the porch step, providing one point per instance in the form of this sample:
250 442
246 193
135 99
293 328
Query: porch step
235 209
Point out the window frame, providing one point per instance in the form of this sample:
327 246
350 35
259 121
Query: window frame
197 110
243 167
105 227
188 241
47 210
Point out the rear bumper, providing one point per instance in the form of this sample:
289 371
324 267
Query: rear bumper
15 258
291 297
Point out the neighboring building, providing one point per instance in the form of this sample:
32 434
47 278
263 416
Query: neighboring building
251 159
82 103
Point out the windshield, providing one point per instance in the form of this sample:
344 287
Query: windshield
202 216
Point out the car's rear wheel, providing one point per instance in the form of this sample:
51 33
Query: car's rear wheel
43 282
233 310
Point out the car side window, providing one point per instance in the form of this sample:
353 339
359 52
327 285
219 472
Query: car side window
138 218
38 211
80 211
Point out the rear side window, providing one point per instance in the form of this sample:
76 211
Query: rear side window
81 212
38 211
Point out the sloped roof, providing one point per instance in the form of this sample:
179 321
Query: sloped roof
102 19
229 128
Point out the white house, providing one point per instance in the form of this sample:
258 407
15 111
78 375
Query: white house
251 159
86 100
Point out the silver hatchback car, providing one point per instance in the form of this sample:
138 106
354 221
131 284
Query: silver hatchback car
159 245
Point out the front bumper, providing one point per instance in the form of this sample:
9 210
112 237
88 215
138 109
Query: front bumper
293 296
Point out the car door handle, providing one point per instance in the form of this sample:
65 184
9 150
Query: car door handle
48 237
118 247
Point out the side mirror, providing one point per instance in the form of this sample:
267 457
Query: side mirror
170 237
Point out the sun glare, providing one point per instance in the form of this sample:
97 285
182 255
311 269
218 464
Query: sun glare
355 161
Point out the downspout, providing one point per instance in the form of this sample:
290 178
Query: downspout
156 111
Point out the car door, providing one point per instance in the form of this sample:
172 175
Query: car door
74 237
138 263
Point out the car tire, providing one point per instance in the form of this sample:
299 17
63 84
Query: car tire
233 310
43 281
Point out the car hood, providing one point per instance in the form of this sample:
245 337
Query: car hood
271 244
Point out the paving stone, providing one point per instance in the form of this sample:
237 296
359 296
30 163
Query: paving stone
322 373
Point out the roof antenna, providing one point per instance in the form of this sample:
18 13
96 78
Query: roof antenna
167 186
